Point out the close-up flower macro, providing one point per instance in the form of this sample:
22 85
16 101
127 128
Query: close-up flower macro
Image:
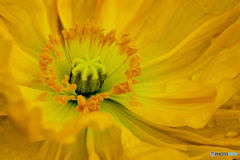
120 80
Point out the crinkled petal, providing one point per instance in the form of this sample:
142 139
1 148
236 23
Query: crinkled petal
232 103
196 143
192 92
23 67
4 76
118 143
13 146
221 130
198 41
114 143
26 22
171 20
54 150
26 42
68 132
141 127
52 16
29 120
188 27
74 11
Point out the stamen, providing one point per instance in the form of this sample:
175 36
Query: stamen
37 80
135 102
87 74
133 71
61 99
72 97
90 105
42 96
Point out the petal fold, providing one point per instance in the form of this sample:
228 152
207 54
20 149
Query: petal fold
73 11
27 24
190 91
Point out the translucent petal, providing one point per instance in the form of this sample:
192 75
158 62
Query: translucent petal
198 87
118 142
52 16
74 11
4 75
13 146
26 22
196 143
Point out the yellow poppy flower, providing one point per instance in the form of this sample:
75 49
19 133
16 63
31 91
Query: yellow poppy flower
139 80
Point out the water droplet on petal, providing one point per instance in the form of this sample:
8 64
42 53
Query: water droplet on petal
218 136
232 134
212 124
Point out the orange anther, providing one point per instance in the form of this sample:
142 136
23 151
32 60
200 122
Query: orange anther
92 104
52 47
42 96
81 100
104 95
65 80
38 75
64 100
91 34
64 32
74 87
72 97
59 88
37 80
57 98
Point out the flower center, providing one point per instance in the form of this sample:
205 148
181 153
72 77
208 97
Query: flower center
84 66
88 74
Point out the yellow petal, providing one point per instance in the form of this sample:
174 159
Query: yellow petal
26 118
187 26
3 103
118 143
141 127
54 150
196 143
232 103
53 112
27 39
68 132
23 67
4 75
221 130
170 20
193 105
26 22
13 146
23 73
29 119
193 88
73 11
49 120
197 41
52 16
118 14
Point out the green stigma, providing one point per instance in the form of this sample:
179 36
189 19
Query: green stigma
88 74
